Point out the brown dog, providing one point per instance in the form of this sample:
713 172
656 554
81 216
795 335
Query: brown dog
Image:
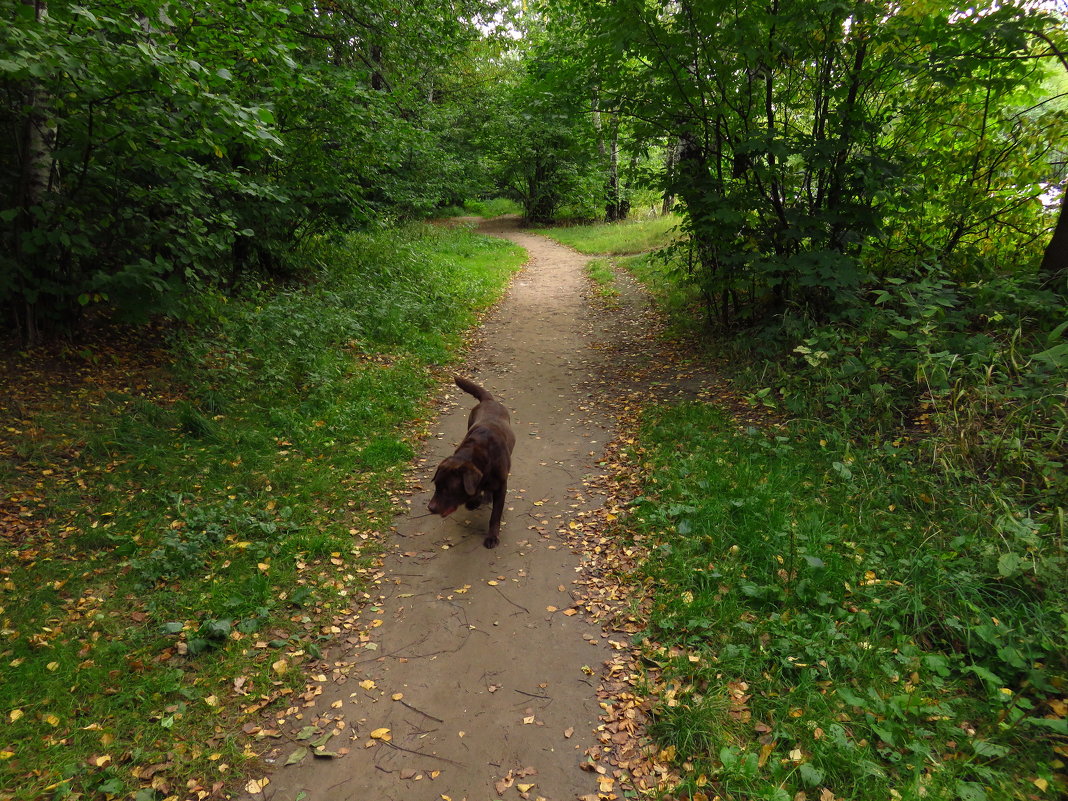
478 470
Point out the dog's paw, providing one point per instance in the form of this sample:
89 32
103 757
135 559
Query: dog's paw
491 542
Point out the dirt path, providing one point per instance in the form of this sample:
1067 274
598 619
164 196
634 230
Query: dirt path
481 672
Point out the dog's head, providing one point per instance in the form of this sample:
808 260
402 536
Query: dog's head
456 482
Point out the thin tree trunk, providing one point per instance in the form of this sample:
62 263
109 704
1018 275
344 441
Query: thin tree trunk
671 158
37 177
613 210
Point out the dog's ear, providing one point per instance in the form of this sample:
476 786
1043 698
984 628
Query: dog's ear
472 477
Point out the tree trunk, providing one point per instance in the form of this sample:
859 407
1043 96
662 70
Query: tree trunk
1054 267
37 177
670 159
614 207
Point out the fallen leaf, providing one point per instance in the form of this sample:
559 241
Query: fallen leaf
381 734
367 684
280 667
297 756
255 786
569 731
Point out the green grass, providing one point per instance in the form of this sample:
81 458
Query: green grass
618 239
204 533
603 276
883 646
494 207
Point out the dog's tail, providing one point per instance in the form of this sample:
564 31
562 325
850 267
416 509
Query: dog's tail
471 388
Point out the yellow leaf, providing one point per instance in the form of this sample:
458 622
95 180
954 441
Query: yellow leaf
1041 784
524 788
52 720
212 701
6 754
51 666
367 684
492 583
765 752
280 667
15 714
397 696
255 786
381 734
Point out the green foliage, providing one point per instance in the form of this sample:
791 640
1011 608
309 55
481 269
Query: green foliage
164 146
885 638
210 512
816 145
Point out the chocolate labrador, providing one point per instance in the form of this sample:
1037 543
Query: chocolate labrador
478 470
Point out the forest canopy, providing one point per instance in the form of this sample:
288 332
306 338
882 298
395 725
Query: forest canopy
815 146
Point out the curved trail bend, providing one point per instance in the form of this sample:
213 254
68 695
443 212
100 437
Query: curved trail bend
496 689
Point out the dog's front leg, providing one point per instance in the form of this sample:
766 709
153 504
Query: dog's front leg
494 535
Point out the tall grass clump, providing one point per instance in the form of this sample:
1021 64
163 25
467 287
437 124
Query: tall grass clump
204 534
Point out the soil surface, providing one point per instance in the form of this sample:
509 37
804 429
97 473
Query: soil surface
474 660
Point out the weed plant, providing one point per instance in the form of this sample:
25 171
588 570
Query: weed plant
828 623
215 529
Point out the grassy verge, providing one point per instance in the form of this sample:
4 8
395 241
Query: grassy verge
197 533
603 276
494 207
617 239
843 625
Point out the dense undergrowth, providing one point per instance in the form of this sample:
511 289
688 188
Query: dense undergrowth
838 620
869 601
202 534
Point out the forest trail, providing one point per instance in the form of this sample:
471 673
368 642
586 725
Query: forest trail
483 674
